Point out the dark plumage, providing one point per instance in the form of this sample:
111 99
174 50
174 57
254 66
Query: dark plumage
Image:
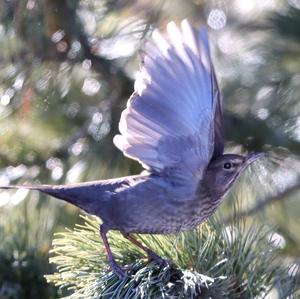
173 126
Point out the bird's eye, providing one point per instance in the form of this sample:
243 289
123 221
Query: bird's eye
227 165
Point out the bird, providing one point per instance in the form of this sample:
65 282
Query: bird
173 126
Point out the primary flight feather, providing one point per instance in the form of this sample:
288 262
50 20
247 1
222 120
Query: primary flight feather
169 120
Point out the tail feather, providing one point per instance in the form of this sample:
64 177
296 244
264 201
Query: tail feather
89 196
78 195
48 189
30 187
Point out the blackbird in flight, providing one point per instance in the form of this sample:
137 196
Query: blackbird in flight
173 126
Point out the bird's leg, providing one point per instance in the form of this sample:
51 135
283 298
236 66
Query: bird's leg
151 254
113 264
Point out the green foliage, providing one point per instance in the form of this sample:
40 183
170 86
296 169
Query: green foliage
212 261
25 232
21 276
288 23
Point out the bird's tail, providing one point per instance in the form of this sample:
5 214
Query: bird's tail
78 195
55 190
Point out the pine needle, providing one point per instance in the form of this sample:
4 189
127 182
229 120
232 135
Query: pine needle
211 261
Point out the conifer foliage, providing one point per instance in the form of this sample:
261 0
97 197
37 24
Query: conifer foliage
212 261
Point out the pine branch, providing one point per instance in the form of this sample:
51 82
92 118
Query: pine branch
209 262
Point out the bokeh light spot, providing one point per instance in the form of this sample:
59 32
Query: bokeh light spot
216 19
263 113
90 86
57 36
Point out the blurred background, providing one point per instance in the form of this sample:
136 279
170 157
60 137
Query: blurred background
67 70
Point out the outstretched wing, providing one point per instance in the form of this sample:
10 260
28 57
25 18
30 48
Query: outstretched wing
218 119
169 120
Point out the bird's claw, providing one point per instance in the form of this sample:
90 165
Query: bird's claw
119 271
154 257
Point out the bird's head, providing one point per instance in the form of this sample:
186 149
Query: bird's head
223 171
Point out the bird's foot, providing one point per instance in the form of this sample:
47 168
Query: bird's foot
152 256
119 271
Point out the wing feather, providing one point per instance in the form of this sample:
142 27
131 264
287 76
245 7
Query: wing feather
169 120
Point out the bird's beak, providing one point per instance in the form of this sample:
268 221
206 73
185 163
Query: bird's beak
253 157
